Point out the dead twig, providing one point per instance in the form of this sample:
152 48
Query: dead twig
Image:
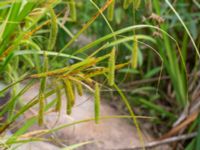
165 141
137 82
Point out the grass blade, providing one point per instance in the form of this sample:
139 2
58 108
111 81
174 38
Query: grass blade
186 29
132 114
198 134
75 146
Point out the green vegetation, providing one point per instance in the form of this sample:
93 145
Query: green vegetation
145 52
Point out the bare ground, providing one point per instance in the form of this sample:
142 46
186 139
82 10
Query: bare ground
109 134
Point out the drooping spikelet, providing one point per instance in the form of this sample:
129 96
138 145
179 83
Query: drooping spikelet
111 11
111 67
72 7
126 3
53 30
97 102
41 109
69 95
134 55
79 88
136 4
59 100
41 93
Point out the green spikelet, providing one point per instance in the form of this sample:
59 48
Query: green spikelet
111 11
97 103
41 93
69 95
72 7
126 3
59 100
41 102
111 67
134 57
53 30
46 65
136 4
79 88
41 110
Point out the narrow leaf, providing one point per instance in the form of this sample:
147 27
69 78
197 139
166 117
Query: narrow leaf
198 134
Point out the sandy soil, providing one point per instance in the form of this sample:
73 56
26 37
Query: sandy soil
108 134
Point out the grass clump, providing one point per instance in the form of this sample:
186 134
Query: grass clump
157 68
